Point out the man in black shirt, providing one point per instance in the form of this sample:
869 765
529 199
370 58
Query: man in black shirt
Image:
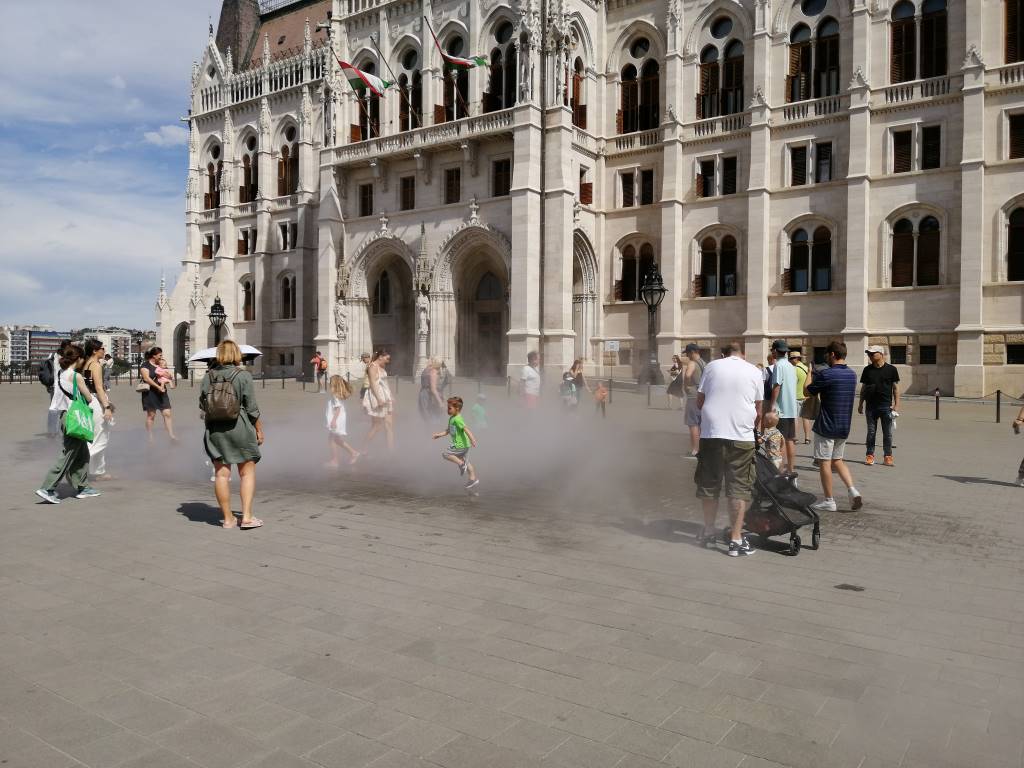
880 391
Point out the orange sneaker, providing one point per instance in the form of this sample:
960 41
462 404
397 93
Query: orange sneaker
888 461
869 459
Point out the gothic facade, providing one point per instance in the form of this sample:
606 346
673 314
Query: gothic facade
804 169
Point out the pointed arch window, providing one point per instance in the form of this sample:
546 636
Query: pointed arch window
382 295
717 275
577 100
708 97
903 51
810 261
1015 246
489 288
732 79
501 86
639 91
287 289
933 38
629 105
288 165
368 104
628 284
650 89
214 169
826 59
798 77
248 300
410 85
456 87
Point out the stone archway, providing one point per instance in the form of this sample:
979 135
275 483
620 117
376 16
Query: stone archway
469 301
182 347
584 297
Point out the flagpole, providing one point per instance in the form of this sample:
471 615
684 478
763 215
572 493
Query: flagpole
401 90
455 82
362 107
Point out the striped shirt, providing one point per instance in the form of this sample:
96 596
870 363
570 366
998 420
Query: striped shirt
837 389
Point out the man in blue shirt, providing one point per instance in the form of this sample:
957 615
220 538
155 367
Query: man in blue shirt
836 388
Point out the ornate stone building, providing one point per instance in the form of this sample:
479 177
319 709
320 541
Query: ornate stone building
807 169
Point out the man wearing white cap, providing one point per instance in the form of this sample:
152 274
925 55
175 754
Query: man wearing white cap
879 390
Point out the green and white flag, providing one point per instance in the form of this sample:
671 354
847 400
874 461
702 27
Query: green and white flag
360 80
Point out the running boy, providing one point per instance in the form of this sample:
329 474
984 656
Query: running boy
462 439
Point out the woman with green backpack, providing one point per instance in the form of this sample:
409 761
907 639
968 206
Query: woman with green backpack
71 401
234 432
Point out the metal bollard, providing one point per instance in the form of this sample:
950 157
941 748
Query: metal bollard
479 386
282 379
508 387
609 389
648 395
192 376
999 405
936 403
264 378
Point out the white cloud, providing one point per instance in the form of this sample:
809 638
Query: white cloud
118 82
15 285
167 136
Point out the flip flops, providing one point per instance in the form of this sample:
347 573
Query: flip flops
252 523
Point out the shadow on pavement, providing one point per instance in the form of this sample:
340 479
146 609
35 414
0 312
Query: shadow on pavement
663 530
976 480
201 513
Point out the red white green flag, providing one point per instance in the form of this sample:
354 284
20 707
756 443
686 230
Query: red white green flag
456 62
360 80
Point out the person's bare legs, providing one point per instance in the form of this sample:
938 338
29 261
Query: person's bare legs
694 440
389 433
844 473
332 442
247 488
737 510
150 419
375 427
791 455
169 424
710 513
222 490
807 429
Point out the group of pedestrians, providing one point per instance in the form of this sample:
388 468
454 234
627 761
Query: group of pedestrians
736 405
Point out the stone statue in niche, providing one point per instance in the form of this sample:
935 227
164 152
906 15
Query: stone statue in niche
340 319
422 313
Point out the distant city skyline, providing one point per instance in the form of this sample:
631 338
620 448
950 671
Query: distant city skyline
93 156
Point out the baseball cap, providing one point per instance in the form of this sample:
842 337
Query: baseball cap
875 348
691 347
794 353
780 345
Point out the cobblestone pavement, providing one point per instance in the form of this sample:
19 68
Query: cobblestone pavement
563 618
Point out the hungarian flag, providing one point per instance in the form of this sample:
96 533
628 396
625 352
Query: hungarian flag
360 80
456 62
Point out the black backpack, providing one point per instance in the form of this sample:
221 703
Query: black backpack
46 376
221 403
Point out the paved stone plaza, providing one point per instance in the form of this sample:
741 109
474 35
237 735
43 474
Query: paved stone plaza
564 618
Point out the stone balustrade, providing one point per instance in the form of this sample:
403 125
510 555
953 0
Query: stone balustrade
811 109
918 90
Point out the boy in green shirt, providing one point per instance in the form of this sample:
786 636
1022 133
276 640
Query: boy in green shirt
462 439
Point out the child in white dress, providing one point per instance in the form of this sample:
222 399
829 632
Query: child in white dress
336 422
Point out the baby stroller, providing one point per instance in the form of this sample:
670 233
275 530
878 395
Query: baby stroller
779 507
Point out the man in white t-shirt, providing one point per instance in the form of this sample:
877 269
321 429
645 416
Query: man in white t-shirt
730 397
529 381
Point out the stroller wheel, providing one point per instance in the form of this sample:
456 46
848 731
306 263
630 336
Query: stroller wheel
794 545
815 538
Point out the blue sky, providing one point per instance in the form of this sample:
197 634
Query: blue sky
93 157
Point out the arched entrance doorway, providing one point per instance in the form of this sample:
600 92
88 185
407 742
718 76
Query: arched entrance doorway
182 348
391 309
482 318
584 296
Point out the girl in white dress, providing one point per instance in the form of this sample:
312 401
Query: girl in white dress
336 422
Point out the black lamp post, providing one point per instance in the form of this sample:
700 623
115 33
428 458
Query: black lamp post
217 319
652 292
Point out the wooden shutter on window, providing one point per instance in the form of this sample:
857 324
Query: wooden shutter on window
1016 136
904 52
1013 31
902 161
282 177
787 280
729 176
823 172
586 192
698 286
355 133
619 121
628 190
708 96
931 144
699 185
798 163
902 260
928 258
207 251
579 116
796 82
242 244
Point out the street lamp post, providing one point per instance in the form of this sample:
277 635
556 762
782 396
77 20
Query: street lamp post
217 319
653 293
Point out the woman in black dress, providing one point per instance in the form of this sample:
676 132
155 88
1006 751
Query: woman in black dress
155 398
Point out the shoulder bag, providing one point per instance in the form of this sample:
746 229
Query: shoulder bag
78 419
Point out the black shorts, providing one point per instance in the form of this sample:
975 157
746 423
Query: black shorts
788 428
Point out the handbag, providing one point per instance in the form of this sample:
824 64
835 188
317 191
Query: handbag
78 419
142 387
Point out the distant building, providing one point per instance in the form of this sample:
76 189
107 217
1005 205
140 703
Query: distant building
42 344
117 342
5 345
19 345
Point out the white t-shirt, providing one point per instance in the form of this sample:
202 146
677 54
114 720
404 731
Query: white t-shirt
334 404
64 382
731 387
530 378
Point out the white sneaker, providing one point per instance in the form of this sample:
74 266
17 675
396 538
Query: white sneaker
825 505
856 500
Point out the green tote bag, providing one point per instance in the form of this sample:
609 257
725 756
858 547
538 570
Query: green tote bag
78 420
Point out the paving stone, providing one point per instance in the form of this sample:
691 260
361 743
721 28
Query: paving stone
698 725
418 737
691 753
584 753
141 712
348 751
530 738
114 749
211 744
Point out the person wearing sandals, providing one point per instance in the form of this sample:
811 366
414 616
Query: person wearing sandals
102 409
377 402
155 398
233 442
73 463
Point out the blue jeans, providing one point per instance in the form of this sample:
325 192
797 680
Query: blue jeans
874 415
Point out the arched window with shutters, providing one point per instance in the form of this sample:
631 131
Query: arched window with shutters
626 289
903 45
813 62
381 304
933 38
211 198
732 79
637 259
826 59
456 86
501 85
708 96
718 267
1013 31
798 78
639 90
410 86
916 252
1015 245
248 299
577 96
368 104
248 189
810 261
288 164
286 287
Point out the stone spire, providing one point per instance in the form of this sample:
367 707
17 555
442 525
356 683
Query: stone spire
266 48
305 112
265 121
229 64
307 38
161 297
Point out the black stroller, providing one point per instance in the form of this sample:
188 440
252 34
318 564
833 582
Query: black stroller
778 507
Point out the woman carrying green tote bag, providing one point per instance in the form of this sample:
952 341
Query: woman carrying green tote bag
71 400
